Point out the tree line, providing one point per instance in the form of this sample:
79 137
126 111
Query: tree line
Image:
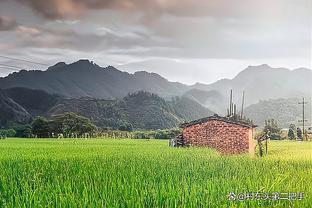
275 132
67 125
71 125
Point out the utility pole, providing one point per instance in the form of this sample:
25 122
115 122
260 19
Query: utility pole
303 103
243 100
231 100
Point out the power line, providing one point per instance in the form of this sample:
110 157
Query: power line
11 66
17 59
9 69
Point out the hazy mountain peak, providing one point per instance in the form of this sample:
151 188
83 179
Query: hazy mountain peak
57 66
302 69
198 84
261 66
83 62
252 71
145 74
257 67
80 64
110 67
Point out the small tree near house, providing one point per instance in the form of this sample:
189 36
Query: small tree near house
292 132
299 133
272 129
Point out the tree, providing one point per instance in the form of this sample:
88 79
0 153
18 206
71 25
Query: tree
305 135
40 127
4 133
292 132
272 129
23 131
125 126
70 124
299 134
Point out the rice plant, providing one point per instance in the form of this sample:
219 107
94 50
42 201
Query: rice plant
147 173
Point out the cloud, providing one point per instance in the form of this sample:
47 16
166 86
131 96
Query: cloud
73 9
7 23
55 9
37 37
103 40
176 29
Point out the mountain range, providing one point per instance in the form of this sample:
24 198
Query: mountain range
85 82
263 83
86 79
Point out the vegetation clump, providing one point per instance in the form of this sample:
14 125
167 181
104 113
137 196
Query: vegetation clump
63 125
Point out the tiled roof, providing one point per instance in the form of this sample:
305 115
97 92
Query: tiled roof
219 118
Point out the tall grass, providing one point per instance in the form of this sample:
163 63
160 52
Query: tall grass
146 173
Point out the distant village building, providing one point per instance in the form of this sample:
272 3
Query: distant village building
226 135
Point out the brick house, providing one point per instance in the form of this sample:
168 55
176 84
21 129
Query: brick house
226 135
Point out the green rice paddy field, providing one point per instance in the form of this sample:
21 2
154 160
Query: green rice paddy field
147 173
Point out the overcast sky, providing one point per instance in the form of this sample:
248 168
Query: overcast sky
183 40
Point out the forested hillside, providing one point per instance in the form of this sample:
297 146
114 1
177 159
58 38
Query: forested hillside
11 112
141 110
284 111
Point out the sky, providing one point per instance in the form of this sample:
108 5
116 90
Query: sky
183 40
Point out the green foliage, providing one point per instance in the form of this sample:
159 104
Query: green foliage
40 127
238 118
146 173
187 109
4 133
23 131
36 102
67 124
151 134
125 126
148 111
299 133
71 124
136 111
108 114
292 132
11 113
272 129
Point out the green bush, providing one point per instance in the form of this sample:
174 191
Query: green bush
157 134
272 129
4 133
23 131
67 124
292 132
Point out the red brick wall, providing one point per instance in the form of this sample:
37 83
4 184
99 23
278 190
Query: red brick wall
227 138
